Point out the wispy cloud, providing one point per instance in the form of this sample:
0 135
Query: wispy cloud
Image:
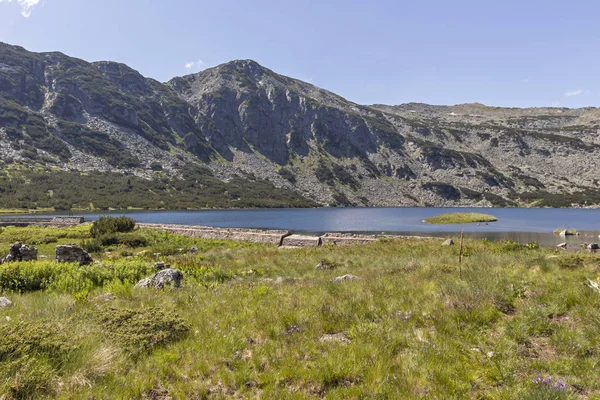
574 93
26 6
193 64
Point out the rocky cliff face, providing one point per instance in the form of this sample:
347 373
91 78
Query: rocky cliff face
243 121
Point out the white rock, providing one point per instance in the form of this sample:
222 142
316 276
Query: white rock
4 302
346 278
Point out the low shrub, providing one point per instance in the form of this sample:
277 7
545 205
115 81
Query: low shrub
91 245
32 355
107 225
141 329
133 240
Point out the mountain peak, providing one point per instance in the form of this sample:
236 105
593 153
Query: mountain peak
241 119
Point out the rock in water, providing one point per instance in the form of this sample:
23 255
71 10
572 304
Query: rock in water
566 233
593 246
562 245
72 253
166 277
4 302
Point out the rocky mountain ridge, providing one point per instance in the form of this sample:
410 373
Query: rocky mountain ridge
244 124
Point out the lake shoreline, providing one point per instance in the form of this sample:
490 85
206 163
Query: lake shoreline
520 225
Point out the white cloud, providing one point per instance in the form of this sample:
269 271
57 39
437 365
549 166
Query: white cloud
26 6
193 64
574 93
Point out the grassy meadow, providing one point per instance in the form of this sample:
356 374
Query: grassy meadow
517 321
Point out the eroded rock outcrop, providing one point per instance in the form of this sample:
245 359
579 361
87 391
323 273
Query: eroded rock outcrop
20 252
73 253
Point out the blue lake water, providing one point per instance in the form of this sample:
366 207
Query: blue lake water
515 223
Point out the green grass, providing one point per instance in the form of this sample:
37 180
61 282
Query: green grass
415 328
24 210
461 218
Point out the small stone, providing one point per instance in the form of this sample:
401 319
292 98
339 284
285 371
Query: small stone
334 337
324 266
448 242
4 302
104 297
194 250
344 278
279 280
562 245
593 246
159 265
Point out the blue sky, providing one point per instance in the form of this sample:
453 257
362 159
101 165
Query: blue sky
502 53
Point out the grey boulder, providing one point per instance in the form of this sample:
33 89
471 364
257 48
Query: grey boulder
166 277
72 253
4 302
21 252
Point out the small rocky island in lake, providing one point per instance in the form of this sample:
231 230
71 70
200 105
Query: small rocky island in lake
461 218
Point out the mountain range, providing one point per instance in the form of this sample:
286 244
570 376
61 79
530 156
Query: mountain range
75 134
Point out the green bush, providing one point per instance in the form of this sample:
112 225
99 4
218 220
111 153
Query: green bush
141 329
96 244
91 245
32 356
22 339
133 240
107 225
